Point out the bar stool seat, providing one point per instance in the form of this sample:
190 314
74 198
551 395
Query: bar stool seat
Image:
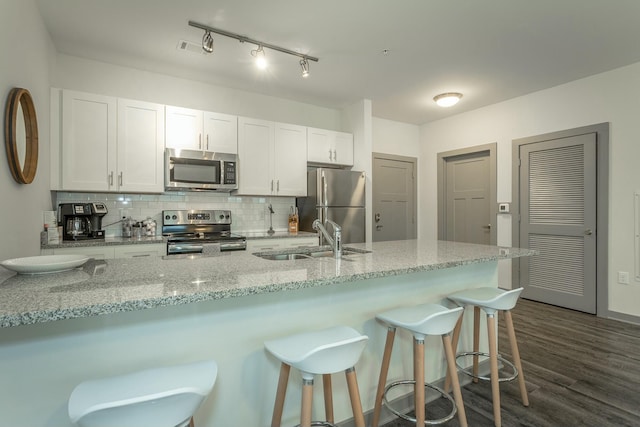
323 352
160 397
420 320
492 300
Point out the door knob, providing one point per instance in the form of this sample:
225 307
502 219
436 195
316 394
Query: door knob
588 232
377 217
488 227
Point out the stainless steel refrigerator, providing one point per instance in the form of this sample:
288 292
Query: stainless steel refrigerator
337 195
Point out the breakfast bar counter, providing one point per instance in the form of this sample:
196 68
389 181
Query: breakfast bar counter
115 316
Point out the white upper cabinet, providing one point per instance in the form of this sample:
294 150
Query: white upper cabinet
271 158
107 144
88 145
201 130
329 147
183 128
220 133
140 166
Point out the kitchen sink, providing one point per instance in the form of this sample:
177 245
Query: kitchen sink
307 253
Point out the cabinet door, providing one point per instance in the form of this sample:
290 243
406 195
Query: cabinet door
95 252
138 251
255 139
290 160
343 149
319 146
88 141
221 133
183 128
140 147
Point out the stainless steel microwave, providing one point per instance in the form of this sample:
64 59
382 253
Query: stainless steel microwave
200 170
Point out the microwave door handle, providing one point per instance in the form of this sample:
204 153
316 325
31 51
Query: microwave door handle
221 180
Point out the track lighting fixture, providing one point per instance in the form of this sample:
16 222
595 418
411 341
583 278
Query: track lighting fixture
261 59
207 42
304 64
448 99
258 53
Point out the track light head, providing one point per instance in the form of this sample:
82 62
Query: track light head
261 60
207 42
304 64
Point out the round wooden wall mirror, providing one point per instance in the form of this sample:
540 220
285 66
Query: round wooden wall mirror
21 135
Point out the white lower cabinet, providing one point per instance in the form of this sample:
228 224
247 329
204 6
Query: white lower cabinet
260 245
96 252
111 252
137 251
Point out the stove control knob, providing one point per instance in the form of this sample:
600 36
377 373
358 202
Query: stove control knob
167 217
174 217
221 216
227 216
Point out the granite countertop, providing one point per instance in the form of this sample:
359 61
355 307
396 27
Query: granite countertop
117 240
101 287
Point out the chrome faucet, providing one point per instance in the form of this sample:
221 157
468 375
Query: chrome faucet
336 241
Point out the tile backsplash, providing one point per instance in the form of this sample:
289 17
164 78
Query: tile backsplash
248 213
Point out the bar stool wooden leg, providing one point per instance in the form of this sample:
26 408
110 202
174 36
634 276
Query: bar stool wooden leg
418 376
191 423
328 397
495 379
454 346
280 394
354 394
516 356
307 398
384 369
476 341
453 374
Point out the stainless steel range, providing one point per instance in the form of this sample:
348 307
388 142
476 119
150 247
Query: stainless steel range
200 232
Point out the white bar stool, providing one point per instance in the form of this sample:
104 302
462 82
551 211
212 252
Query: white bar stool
491 301
323 352
160 397
420 320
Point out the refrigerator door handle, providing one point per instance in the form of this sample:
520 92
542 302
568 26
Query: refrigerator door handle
325 201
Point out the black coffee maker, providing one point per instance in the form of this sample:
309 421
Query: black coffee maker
81 221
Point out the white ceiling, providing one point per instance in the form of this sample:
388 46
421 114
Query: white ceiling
490 50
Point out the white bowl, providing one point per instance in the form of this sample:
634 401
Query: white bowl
44 264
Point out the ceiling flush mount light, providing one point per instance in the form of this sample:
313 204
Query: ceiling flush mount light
447 99
207 42
258 53
304 64
261 59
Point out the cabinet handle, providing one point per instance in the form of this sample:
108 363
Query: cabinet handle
335 156
278 186
272 186
140 255
199 141
330 155
120 179
207 142
111 179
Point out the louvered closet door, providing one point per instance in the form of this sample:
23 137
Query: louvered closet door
558 218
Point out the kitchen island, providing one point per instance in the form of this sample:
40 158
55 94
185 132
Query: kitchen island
120 315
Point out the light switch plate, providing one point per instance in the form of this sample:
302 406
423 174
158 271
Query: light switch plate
503 207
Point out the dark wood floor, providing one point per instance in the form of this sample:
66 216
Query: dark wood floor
580 370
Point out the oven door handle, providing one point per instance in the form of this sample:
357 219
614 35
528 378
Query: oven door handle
183 248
